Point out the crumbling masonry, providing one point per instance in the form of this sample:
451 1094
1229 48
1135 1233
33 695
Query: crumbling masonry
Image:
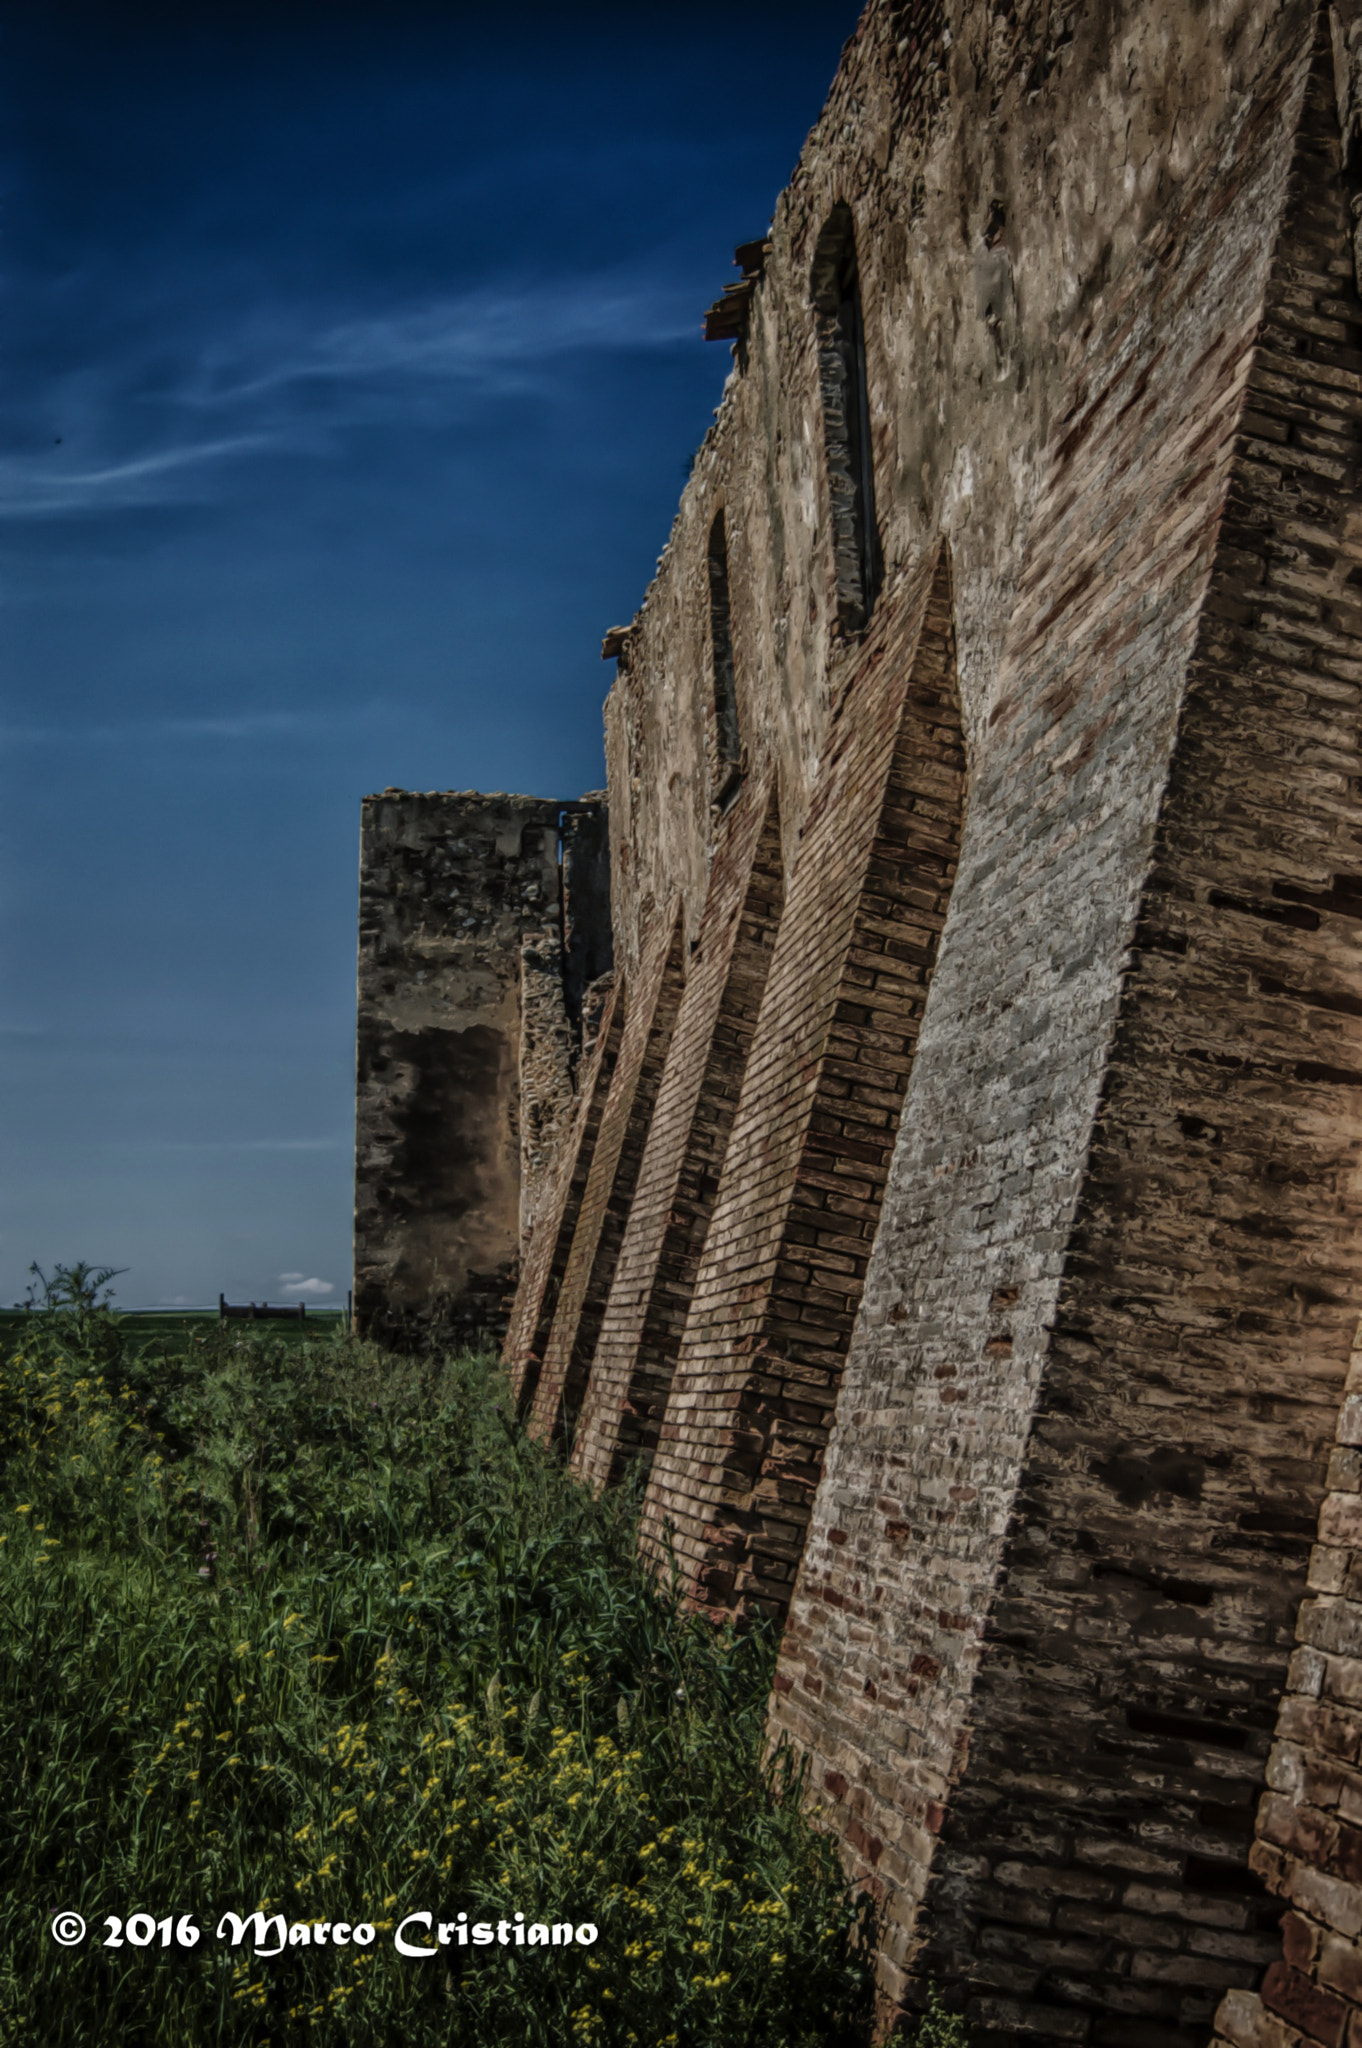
952 1204
484 928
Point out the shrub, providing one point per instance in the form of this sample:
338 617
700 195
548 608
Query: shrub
312 1629
938 2028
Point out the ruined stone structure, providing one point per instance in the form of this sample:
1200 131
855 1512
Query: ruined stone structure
483 922
958 1217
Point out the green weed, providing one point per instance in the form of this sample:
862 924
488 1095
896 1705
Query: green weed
938 2028
312 1629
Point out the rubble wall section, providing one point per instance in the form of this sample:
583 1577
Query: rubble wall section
452 885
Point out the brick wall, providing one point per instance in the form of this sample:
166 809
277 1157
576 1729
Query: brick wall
1047 1593
1309 1834
1081 1796
609 1189
669 1217
546 1254
1201 1337
787 1248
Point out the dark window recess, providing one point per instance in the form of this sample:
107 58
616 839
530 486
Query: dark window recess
1186 1728
1212 1874
857 563
727 733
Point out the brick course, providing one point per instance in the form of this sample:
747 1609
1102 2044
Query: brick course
550 1244
635 1357
609 1189
786 1253
1308 1847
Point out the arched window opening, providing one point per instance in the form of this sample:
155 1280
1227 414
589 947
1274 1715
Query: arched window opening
727 732
857 563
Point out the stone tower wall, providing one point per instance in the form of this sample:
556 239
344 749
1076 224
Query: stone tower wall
467 1046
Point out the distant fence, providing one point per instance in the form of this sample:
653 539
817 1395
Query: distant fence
324 1314
260 1312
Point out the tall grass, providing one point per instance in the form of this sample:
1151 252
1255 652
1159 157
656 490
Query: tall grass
313 1629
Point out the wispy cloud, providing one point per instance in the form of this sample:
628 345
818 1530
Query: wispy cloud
248 725
168 459
282 1145
40 490
488 337
495 339
310 1288
240 1144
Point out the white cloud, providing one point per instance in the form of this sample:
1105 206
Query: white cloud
249 725
158 464
310 1287
28 491
476 337
487 340
288 1276
235 1144
284 1145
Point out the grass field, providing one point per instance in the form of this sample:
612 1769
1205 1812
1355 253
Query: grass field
168 1330
304 1627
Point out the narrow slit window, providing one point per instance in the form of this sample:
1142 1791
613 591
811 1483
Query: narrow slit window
857 563
727 732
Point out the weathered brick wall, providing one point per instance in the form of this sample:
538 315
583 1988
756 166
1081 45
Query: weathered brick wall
881 1651
611 1177
1309 1846
469 1030
1178 1454
1082 1799
972 142
1051 1568
635 1356
550 1243
789 1241
569 953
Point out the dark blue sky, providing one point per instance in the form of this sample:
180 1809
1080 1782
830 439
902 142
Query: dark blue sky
350 365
